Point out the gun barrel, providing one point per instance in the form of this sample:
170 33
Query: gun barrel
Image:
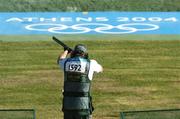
61 43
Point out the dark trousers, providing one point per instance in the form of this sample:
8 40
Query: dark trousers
75 116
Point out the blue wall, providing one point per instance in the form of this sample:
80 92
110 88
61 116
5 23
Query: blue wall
90 23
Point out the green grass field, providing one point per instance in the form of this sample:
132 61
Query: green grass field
17 114
140 73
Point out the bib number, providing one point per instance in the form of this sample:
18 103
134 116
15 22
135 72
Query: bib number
75 67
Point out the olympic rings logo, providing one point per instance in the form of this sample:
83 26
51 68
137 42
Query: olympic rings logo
92 27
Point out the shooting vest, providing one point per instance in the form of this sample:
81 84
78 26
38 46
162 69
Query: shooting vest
76 85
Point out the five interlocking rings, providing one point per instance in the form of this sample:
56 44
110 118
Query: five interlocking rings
92 27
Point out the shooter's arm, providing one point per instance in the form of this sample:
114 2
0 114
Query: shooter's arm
62 56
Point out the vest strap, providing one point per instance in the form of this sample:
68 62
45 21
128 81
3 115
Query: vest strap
76 103
76 86
76 94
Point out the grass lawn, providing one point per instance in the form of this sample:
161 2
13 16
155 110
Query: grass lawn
138 74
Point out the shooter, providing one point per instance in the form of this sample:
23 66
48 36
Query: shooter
78 74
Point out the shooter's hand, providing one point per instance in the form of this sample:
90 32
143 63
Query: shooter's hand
68 49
